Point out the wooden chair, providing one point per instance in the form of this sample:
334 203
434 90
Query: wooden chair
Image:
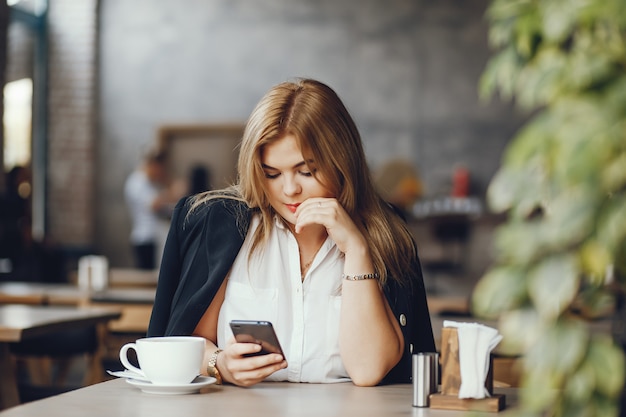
49 359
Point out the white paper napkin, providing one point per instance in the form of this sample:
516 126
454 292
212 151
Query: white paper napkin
476 341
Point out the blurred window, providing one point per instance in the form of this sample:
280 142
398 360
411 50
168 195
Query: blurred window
24 122
17 122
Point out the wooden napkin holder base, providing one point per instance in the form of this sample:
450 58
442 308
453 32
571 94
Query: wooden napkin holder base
448 398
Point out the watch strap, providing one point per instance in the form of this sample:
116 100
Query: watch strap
211 368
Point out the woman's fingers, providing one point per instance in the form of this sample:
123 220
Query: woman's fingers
330 214
250 376
243 370
322 211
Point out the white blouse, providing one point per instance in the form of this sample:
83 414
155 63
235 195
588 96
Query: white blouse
305 314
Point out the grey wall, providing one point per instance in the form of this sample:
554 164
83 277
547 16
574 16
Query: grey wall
407 70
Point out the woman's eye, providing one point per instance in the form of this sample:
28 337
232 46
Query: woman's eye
271 176
308 173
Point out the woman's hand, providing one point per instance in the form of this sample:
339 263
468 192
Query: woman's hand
339 226
246 371
370 340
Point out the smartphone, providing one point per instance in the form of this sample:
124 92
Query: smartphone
259 332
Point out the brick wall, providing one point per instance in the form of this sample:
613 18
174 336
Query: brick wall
72 36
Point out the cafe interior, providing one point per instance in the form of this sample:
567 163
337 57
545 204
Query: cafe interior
90 87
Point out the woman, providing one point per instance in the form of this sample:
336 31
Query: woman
302 240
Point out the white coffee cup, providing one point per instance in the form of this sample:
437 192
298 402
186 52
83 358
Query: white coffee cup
169 360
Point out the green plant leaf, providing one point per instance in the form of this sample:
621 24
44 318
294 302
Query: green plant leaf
520 329
581 142
541 80
595 258
611 225
539 389
614 174
512 189
553 284
527 32
501 289
594 304
527 150
607 361
500 75
596 406
604 407
501 14
570 217
559 350
580 386
563 185
519 243
558 19
501 194
587 67
620 264
615 97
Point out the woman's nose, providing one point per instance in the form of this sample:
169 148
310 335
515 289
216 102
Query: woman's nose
291 186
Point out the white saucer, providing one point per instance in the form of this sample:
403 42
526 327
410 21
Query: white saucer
193 387
128 374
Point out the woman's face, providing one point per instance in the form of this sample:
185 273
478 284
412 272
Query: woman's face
288 179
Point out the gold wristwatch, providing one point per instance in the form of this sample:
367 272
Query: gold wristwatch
211 368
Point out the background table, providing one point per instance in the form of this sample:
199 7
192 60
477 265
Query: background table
135 303
131 292
118 398
20 322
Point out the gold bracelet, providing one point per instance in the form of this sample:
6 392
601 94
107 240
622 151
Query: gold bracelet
211 368
373 275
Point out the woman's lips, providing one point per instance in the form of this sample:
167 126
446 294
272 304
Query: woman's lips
292 207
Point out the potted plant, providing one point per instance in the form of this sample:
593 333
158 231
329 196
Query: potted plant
560 257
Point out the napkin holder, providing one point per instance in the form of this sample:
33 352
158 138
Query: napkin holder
448 398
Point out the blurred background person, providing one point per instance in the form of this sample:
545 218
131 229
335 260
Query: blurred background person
150 197
14 219
23 257
199 179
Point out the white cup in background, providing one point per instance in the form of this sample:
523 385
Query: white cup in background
93 272
170 360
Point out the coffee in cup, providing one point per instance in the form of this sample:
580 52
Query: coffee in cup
168 360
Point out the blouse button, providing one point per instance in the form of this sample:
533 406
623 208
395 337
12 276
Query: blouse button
402 320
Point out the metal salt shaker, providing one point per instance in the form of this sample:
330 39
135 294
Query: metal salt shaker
425 377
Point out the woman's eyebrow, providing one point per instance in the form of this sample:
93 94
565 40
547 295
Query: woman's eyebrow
298 165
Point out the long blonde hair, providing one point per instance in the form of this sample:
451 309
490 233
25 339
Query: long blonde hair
313 113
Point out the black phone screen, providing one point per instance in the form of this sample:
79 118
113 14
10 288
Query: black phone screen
259 332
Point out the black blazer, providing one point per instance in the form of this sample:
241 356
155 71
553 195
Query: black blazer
200 250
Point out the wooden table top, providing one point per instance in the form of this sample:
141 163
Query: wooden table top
135 303
128 277
18 322
132 277
124 296
69 294
21 321
118 398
